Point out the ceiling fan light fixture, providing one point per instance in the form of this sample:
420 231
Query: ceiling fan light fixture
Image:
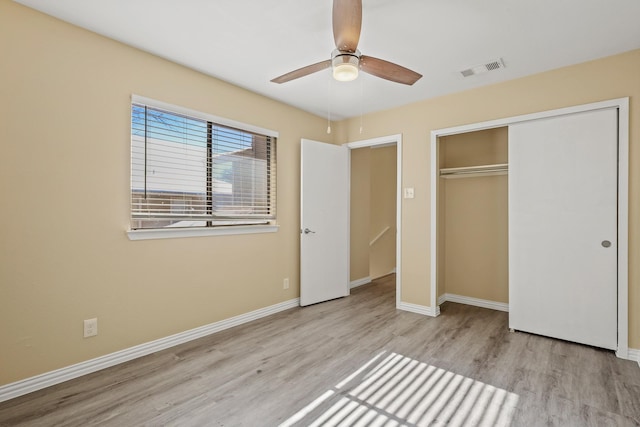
346 66
345 72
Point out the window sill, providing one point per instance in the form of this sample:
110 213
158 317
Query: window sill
176 233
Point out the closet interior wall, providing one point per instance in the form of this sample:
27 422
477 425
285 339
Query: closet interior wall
473 217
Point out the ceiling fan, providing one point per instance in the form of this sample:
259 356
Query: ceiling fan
346 59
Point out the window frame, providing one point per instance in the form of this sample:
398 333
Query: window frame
168 232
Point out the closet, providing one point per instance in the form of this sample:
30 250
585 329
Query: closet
527 220
472 217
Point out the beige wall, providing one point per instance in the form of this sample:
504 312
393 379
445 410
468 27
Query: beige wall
382 255
360 212
607 78
473 220
65 170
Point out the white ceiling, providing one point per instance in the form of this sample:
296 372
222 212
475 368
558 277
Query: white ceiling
249 42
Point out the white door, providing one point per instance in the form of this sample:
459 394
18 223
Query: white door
324 222
562 227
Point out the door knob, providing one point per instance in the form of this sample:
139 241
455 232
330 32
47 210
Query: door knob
606 243
307 231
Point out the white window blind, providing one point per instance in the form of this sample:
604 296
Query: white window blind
187 171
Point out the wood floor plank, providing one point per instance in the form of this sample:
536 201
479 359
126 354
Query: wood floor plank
352 361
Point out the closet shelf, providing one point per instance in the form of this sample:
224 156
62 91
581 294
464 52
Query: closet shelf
471 171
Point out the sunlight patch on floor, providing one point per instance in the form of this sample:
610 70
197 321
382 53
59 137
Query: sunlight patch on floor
399 391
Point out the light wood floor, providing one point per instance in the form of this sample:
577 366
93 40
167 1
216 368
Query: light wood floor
352 361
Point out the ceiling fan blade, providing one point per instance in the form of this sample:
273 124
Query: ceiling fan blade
301 72
347 22
388 70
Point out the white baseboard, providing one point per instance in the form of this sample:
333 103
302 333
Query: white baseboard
420 309
19 388
360 282
493 305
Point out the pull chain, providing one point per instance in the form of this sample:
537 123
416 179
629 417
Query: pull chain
329 107
361 100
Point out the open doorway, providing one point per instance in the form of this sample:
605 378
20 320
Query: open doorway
375 210
373 213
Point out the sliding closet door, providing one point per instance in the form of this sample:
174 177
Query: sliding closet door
562 227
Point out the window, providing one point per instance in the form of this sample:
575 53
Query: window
189 169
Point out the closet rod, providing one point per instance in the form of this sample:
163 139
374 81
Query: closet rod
471 171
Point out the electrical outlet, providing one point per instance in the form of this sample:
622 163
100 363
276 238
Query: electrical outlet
91 327
285 284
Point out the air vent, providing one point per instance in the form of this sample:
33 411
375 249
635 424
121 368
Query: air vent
483 68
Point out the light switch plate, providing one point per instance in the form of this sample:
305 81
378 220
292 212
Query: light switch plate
408 193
